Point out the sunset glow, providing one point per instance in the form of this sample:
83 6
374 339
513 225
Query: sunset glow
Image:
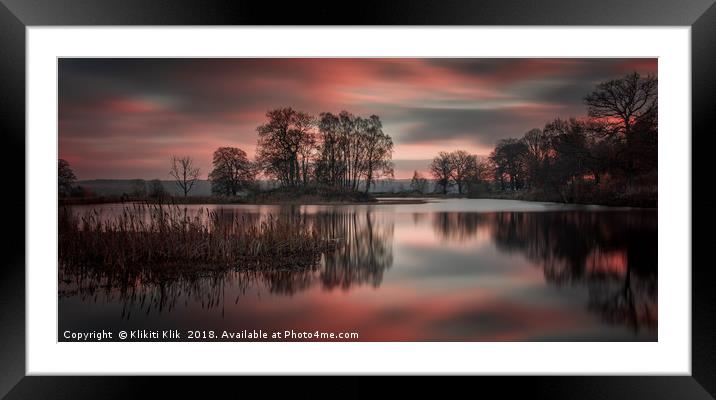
124 118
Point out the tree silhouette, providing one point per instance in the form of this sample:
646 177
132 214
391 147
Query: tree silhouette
463 165
232 171
65 177
441 169
627 99
285 144
184 172
509 158
377 151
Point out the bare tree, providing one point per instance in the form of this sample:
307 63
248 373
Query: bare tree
377 151
329 166
627 99
441 169
184 172
538 144
462 165
285 143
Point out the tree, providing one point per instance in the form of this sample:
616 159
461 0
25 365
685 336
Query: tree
184 172
350 127
462 164
156 189
627 99
285 145
232 171
478 178
65 177
537 157
442 170
568 152
329 166
508 159
418 184
377 151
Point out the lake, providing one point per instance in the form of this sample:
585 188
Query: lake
446 270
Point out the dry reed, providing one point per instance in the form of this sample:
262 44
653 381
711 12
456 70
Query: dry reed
159 240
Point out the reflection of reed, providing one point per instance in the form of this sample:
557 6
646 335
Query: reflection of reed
363 252
159 296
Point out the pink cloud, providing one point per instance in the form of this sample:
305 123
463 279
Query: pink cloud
153 108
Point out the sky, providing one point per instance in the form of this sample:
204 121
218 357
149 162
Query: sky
125 118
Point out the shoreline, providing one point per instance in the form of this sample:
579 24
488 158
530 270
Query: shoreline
380 200
264 203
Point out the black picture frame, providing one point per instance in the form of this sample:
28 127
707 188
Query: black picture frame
16 15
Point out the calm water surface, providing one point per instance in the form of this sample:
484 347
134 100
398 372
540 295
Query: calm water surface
450 270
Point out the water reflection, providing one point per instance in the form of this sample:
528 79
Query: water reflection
612 253
609 255
365 250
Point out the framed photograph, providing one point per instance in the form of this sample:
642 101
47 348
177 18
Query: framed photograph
469 189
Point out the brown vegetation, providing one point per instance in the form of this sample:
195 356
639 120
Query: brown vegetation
158 241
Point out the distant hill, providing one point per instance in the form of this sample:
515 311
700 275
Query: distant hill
118 187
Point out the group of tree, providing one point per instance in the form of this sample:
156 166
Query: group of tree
339 151
616 143
458 168
336 151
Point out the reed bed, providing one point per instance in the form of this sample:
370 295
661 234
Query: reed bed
160 240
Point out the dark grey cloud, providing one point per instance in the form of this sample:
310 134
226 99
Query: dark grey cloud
481 127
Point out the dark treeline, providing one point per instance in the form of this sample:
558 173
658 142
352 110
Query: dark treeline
608 157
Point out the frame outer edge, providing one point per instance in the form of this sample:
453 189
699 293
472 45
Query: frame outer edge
12 128
12 124
370 12
703 70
